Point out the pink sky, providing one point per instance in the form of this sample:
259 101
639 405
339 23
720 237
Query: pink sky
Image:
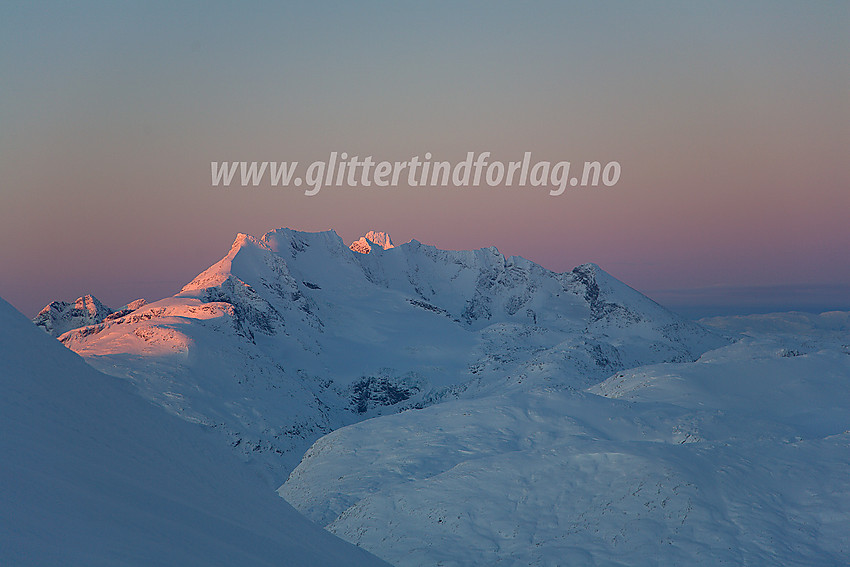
732 128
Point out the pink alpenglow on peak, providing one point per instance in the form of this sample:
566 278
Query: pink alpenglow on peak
364 244
133 305
58 317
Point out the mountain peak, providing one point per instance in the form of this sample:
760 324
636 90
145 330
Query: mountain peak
365 243
57 317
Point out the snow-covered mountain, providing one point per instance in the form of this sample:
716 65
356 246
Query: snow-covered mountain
372 238
293 335
59 317
555 419
92 474
738 458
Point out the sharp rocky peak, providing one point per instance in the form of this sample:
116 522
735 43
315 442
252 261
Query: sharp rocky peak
372 238
60 316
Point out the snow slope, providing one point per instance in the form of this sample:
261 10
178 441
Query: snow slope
293 335
92 474
738 458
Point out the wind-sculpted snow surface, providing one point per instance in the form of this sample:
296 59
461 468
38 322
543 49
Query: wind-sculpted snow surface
92 474
739 458
293 335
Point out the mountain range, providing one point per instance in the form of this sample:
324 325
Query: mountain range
293 335
440 407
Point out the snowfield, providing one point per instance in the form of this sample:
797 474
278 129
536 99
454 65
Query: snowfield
739 458
457 408
94 475
293 335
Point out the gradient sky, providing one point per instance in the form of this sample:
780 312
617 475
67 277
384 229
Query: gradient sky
731 122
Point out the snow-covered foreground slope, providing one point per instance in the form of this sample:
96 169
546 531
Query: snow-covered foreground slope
293 335
91 474
739 458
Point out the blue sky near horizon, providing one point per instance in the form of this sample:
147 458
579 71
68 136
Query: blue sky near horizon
731 122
